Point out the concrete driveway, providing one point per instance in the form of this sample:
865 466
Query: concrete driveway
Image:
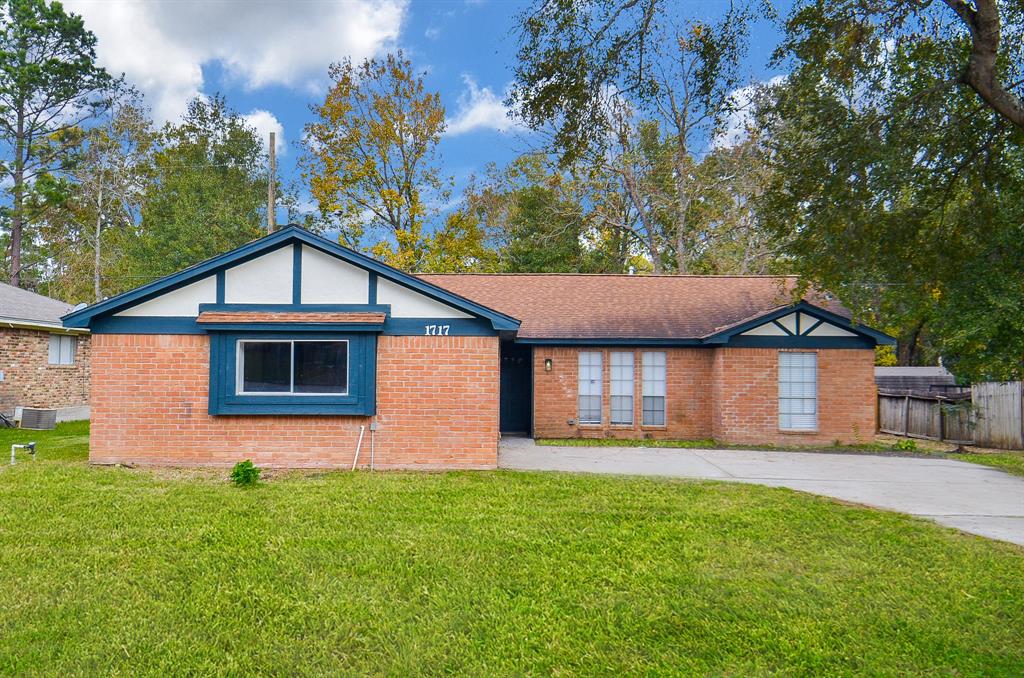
972 498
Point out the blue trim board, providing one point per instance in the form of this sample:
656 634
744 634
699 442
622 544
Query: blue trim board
361 399
609 342
296 273
220 287
289 235
455 327
372 288
464 327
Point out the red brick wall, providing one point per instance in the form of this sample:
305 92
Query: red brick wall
437 406
730 394
687 402
745 393
29 378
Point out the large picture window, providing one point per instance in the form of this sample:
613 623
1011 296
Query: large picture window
798 391
590 387
654 388
622 387
286 367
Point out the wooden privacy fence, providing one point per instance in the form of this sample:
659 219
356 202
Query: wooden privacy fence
991 415
933 417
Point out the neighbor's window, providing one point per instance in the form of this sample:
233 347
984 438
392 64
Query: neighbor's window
622 387
292 367
590 387
62 349
653 363
798 391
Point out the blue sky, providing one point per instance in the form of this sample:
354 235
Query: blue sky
270 60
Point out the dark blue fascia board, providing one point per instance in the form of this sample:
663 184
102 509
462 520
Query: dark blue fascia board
608 342
736 342
360 401
798 342
726 336
456 327
112 324
288 235
472 327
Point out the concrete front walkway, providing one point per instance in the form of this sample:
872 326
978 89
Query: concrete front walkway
972 498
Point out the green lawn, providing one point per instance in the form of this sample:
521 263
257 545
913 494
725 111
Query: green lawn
112 570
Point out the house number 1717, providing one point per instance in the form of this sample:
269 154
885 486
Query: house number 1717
437 330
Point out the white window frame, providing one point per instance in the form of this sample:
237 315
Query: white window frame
590 387
655 384
798 390
240 368
621 384
63 347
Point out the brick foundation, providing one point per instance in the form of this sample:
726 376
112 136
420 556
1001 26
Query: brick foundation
729 394
437 407
29 378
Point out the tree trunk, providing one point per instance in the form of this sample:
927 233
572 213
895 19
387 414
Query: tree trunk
682 205
980 73
97 294
17 214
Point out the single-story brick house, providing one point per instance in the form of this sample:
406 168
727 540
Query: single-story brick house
42 363
290 348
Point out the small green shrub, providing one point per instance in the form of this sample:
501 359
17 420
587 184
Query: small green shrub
244 474
905 444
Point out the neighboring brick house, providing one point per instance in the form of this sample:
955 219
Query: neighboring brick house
42 363
292 349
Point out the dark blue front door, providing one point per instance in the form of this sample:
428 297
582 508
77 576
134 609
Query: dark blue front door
516 399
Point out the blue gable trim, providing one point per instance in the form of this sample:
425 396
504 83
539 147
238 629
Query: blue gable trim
372 287
731 335
288 235
296 274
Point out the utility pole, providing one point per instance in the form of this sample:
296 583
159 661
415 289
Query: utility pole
271 216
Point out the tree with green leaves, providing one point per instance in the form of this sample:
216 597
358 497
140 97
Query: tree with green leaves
49 84
371 158
898 171
206 195
639 76
109 170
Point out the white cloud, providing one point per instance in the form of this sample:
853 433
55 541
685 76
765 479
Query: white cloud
480 108
737 125
265 122
161 45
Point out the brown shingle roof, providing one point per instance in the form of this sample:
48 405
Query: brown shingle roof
579 306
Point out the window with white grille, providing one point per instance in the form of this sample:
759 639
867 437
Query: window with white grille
622 387
798 391
653 363
590 387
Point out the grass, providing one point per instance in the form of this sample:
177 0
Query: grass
122 571
1009 461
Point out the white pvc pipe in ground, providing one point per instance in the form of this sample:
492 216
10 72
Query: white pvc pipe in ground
362 430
